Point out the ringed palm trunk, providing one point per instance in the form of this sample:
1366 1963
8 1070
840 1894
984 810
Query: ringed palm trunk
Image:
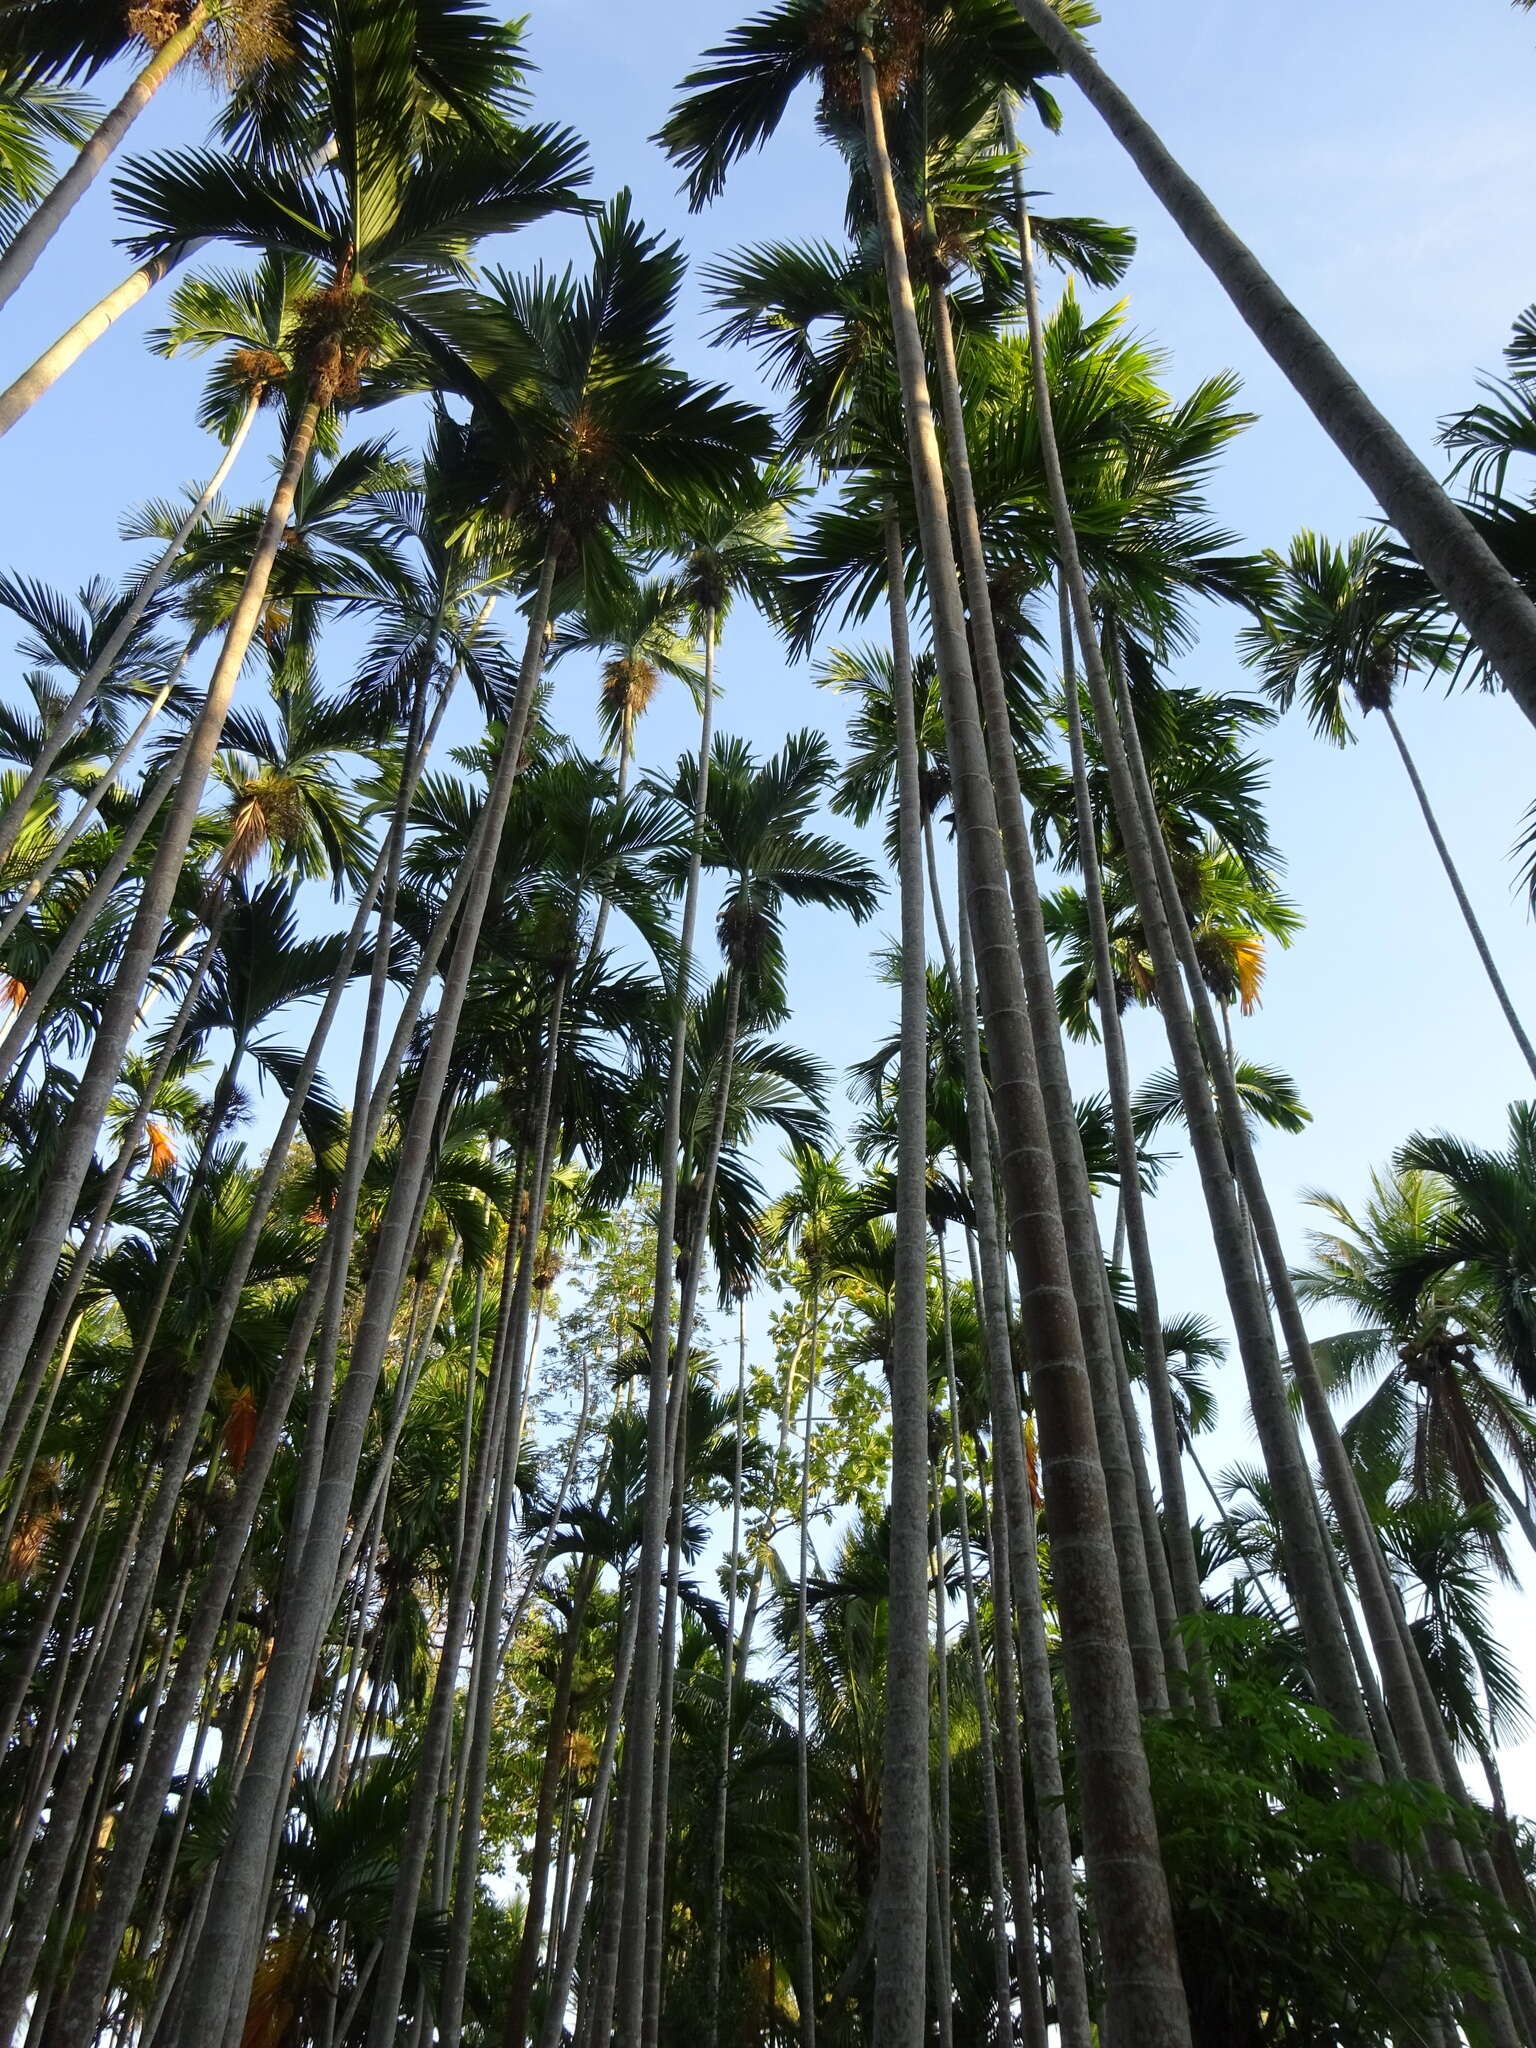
1165 1423
1017 1550
238 1894
1458 890
1144 1993
1307 1570
1496 612
727 1744
640 1751
1117 1448
39 1257
426 1797
677 1429
19 397
904 1844
802 1732
33 237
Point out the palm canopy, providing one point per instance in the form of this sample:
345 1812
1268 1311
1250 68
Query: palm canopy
33 117
582 422
756 834
1438 1417
637 631
389 217
1331 631
738 96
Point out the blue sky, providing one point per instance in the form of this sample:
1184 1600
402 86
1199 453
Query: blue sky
1380 159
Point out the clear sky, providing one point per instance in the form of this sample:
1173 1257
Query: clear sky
1380 158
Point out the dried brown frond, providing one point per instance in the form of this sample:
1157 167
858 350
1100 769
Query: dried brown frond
162 1149
629 682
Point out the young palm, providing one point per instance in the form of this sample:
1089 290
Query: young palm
1332 633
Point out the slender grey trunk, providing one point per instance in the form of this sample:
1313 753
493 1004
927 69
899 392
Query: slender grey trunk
1085 1254
901 1890
1463 901
1017 1547
1469 576
802 1728
237 1899
19 397
1145 1997
1132 1210
727 1744
640 1751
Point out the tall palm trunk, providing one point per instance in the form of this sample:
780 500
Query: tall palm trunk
802 1701
1017 1548
1496 612
904 1844
1033 2014
1133 1215
217 1992
133 1837
640 1750
1085 1255
1144 1993
677 1433
477 1745
516 2028
39 1258
1307 1570
1463 901
727 1743
19 397
34 235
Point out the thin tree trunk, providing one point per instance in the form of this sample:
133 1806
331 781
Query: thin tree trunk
39 1258
1469 576
1018 1545
19 398
802 1719
904 1840
236 1900
1132 1216
1145 1997
34 235
1463 901
640 1751
727 1744
1085 1254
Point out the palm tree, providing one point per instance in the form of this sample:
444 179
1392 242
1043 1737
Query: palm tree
390 220
1330 630
1439 1415
732 105
1496 613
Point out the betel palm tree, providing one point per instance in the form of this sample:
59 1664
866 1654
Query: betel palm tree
390 219
252 318
1496 613
731 106
546 364
465 74
1330 633
1439 1414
